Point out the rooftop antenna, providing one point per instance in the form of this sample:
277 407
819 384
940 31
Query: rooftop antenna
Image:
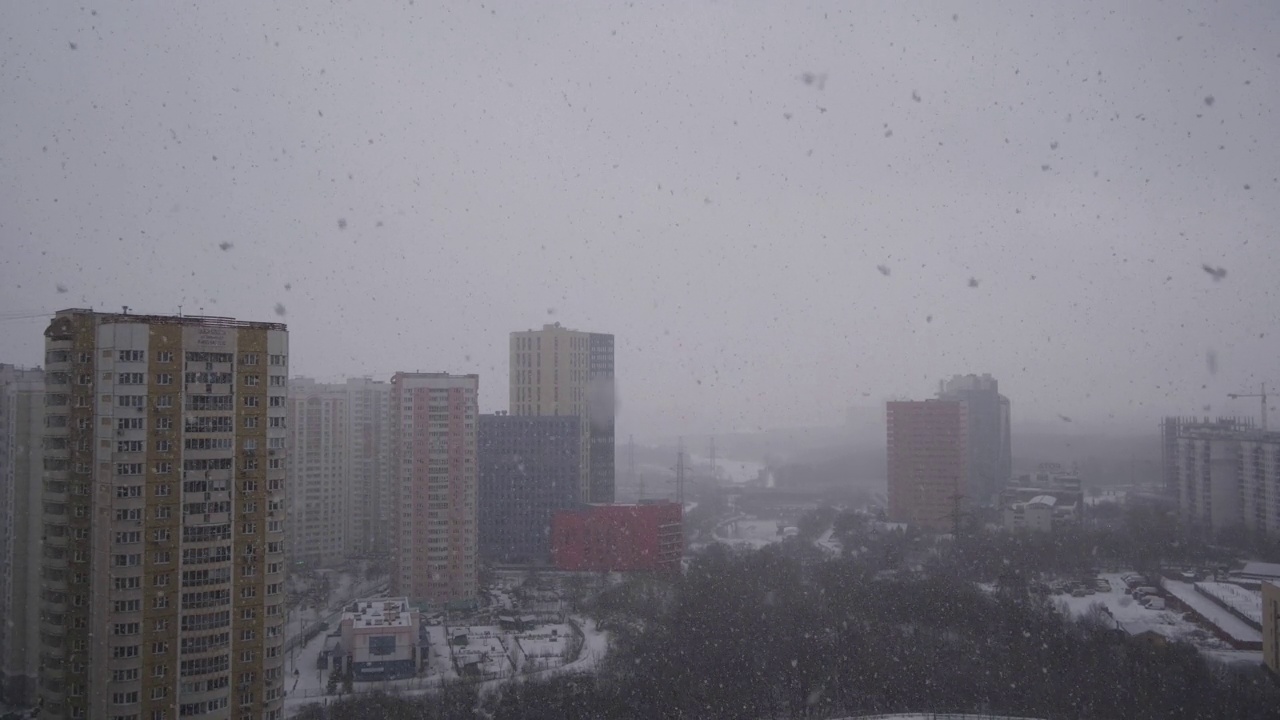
1261 394
126 309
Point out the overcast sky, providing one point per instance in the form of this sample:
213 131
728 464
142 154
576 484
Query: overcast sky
723 186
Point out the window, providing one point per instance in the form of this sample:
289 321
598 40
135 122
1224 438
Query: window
160 602
159 647
131 379
277 381
249 359
126 560
164 378
163 467
131 356
129 514
250 422
162 512
124 698
159 693
131 536
129 446
251 401
164 356
129 628
160 580
127 606
164 422
124 651
251 380
131 401
163 557
129 491
277 401
135 423
164 401
123 676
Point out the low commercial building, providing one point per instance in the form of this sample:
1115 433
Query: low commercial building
381 640
1042 513
619 538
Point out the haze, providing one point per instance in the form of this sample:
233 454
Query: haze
724 186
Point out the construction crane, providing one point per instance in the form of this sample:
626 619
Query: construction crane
1261 394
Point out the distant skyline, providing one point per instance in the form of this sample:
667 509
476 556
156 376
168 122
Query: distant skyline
780 212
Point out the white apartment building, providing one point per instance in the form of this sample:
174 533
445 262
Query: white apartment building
338 474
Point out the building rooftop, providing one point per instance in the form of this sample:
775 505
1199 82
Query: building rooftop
381 612
194 320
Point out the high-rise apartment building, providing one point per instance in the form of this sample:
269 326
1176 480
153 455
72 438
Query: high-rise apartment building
21 468
163 517
369 406
339 449
433 459
1208 466
529 468
318 491
928 462
1171 428
557 371
990 447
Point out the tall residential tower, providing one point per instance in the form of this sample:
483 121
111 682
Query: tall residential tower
557 371
928 463
21 466
434 466
163 517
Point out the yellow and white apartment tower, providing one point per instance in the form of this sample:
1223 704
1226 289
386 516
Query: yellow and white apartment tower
163 517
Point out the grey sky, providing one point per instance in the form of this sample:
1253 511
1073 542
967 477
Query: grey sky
664 172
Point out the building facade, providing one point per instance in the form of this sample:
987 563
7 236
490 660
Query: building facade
319 488
163 516
1271 627
990 447
381 639
1208 466
529 468
1171 428
928 461
648 537
557 371
21 467
339 473
433 441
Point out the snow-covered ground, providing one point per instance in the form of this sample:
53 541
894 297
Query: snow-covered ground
749 533
1244 601
1134 617
310 684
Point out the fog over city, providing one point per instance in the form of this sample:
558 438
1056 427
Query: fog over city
780 210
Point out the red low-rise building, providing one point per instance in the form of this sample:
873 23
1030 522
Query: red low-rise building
619 538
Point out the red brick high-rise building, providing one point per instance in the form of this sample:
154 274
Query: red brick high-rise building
928 463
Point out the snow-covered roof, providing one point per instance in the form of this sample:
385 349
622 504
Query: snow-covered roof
1261 570
383 612
1043 500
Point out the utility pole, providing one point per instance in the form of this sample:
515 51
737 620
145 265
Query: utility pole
1261 394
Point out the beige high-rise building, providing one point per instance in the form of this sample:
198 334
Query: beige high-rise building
338 472
557 371
435 479
163 516
21 467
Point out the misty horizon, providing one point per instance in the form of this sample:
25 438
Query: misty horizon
779 213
